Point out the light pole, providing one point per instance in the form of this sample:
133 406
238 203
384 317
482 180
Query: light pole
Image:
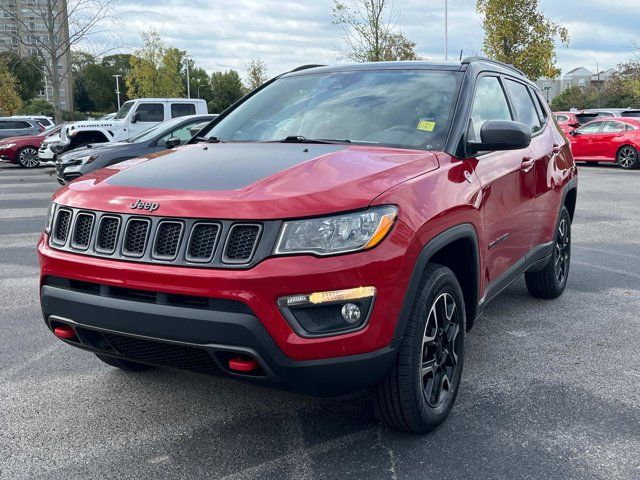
186 56
598 80
446 30
118 89
199 87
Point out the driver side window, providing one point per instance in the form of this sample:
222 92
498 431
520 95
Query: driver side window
183 133
490 103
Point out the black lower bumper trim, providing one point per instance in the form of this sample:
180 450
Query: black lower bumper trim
159 334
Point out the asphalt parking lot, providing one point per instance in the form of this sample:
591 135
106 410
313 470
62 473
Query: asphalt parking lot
550 389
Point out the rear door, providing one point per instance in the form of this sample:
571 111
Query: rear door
507 187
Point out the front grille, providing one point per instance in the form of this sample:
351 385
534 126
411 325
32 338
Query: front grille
135 237
107 234
166 354
241 243
168 239
82 230
61 229
153 239
203 242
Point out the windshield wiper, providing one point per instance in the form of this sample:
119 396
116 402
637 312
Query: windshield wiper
302 139
209 139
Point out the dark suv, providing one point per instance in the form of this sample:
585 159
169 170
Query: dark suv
337 229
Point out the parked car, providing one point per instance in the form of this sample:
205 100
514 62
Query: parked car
12 127
24 150
608 140
169 134
569 121
46 122
341 228
615 112
134 117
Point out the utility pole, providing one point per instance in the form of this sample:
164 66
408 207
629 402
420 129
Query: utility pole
118 89
446 30
186 56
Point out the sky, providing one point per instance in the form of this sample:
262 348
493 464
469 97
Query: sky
225 34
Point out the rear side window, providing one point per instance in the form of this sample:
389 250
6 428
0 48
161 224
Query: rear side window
150 112
614 127
490 103
631 113
5 125
182 109
561 118
523 105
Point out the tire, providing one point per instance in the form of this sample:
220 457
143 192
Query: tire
27 157
123 364
551 281
627 157
418 393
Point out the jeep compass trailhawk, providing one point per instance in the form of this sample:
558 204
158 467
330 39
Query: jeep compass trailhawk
340 228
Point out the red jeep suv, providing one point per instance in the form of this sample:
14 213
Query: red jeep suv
340 228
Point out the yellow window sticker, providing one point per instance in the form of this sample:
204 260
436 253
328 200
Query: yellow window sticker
426 125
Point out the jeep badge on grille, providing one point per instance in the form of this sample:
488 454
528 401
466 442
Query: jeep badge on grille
140 205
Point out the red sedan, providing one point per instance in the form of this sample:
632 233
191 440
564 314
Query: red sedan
608 140
569 121
24 150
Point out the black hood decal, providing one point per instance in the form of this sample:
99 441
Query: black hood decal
221 166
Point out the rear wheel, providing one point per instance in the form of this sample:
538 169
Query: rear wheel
123 364
627 158
27 157
420 390
552 279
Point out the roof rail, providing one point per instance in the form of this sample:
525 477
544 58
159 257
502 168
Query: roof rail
469 60
305 67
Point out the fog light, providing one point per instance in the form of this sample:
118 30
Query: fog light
351 313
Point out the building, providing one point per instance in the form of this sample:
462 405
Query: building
578 77
22 19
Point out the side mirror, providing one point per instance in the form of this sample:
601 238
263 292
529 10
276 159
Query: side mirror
135 118
501 135
574 132
172 142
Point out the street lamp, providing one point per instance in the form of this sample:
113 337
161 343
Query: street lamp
118 88
186 57
199 87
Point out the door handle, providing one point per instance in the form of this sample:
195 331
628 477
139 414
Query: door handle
527 164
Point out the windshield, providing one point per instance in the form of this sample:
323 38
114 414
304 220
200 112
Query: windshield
124 109
396 108
157 130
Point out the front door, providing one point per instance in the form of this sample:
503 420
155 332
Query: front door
582 140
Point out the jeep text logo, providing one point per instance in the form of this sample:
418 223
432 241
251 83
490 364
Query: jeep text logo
140 205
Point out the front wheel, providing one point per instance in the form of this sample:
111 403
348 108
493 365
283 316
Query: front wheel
420 390
627 158
28 157
552 279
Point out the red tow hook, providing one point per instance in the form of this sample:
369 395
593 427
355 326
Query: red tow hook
65 332
240 364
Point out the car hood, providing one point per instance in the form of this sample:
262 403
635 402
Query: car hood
249 180
93 149
22 139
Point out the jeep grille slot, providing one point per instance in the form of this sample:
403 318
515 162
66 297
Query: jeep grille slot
203 241
152 239
82 231
168 239
135 237
61 230
107 234
241 243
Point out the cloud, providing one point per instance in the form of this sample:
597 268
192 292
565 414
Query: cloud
224 34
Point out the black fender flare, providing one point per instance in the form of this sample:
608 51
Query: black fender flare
465 231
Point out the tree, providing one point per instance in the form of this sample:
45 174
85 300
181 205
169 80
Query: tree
256 74
368 31
199 79
226 89
84 20
37 106
28 73
516 32
155 69
9 95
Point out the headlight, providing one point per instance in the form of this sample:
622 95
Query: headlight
84 159
7 146
48 225
348 232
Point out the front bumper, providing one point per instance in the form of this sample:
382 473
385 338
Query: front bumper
242 313
66 173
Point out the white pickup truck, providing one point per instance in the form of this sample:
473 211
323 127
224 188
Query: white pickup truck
134 117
